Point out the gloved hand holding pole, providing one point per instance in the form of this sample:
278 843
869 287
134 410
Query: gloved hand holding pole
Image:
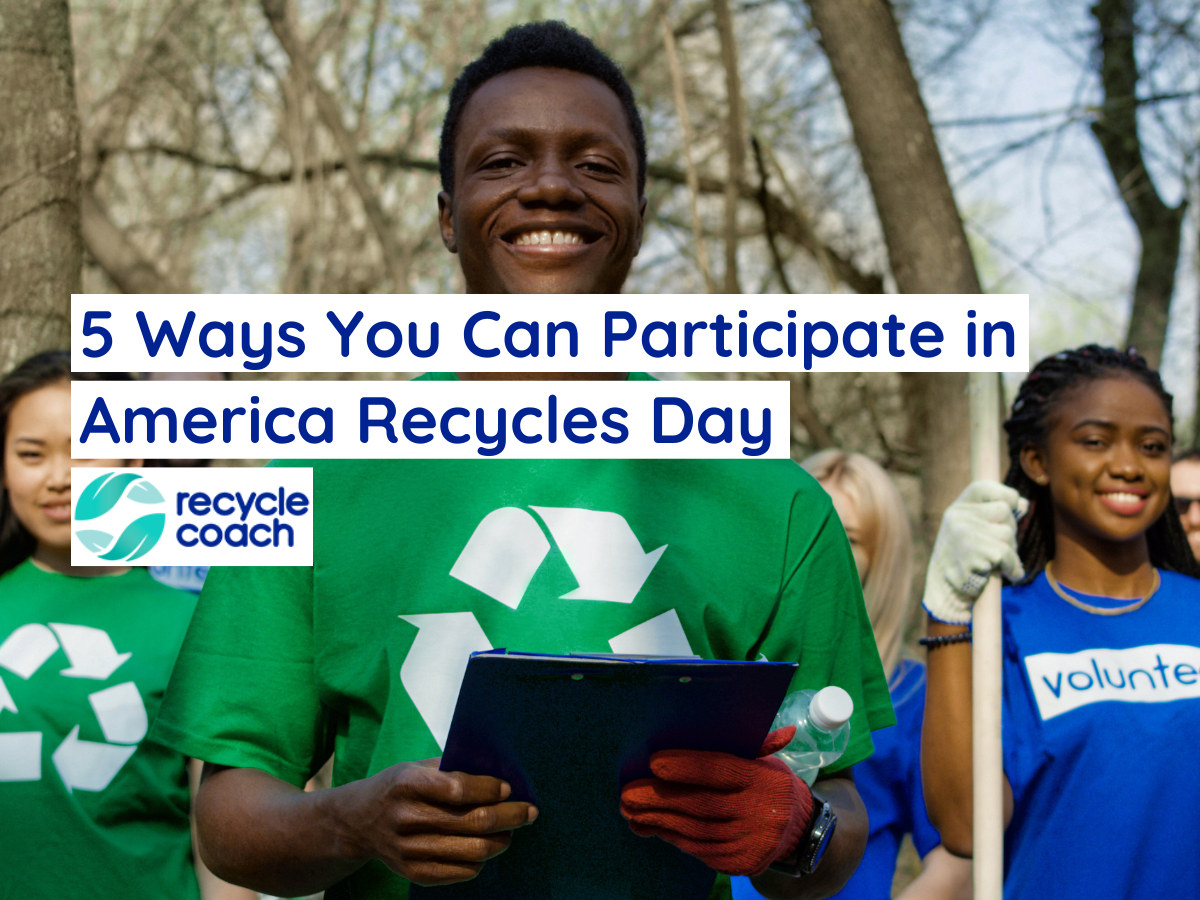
978 537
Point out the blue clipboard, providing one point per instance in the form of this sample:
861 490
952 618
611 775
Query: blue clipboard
567 732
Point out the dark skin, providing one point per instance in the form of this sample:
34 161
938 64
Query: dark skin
538 150
844 853
544 150
1106 461
428 826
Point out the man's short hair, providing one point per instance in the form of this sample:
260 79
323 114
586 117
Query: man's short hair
552 45
1191 454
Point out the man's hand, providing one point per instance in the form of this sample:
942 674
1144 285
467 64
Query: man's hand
428 826
736 815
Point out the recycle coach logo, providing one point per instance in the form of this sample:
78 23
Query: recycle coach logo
108 501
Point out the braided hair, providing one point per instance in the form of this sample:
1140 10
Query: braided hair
1030 422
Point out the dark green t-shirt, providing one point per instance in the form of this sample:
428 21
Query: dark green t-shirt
89 806
418 563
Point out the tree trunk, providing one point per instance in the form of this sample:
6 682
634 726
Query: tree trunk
927 246
40 245
939 427
1158 224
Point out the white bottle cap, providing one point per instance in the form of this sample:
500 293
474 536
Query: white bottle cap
831 708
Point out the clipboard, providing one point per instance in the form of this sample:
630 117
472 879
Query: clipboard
567 732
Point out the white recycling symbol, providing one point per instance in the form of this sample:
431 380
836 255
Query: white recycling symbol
120 711
500 559
600 548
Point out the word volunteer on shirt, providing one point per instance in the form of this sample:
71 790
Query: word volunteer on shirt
1153 673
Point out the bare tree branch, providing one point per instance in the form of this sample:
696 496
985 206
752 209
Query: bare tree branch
792 225
735 138
332 29
117 256
110 116
331 118
895 459
685 127
686 25
1065 112
765 205
360 128
392 159
818 249
803 411
1158 224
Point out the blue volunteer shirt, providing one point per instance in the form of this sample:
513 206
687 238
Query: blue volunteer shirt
889 782
186 578
1101 736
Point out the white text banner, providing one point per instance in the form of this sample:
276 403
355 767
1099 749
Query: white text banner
550 333
430 419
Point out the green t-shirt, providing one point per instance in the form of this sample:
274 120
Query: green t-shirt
418 563
88 806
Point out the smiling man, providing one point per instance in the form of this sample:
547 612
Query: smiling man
543 166
543 170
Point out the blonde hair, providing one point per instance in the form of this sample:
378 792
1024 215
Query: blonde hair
887 536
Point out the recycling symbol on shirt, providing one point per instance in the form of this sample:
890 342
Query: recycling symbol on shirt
119 710
500 559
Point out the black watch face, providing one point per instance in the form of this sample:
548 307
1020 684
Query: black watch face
808 856
818 838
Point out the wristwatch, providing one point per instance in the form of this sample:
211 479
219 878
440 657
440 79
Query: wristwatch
812 846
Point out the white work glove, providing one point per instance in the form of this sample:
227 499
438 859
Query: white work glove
978 536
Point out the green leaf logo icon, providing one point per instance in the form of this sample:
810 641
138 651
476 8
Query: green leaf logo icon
144 492
138 538
103 493
96 541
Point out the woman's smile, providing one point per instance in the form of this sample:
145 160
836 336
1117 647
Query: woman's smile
1124 502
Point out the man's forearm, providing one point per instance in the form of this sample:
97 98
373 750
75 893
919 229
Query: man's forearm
841 857
261 832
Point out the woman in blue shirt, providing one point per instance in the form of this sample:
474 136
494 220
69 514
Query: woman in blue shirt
1101 641
889 782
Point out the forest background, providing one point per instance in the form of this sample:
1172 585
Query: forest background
172 146
919 146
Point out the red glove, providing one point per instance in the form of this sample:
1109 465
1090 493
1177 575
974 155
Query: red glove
736 815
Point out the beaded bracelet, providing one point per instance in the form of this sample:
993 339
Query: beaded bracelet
943 639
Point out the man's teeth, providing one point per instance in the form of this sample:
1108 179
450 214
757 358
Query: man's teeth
530 238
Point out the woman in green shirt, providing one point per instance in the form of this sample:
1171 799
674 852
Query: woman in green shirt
88 806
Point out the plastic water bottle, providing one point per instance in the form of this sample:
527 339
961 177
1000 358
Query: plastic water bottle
822 720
